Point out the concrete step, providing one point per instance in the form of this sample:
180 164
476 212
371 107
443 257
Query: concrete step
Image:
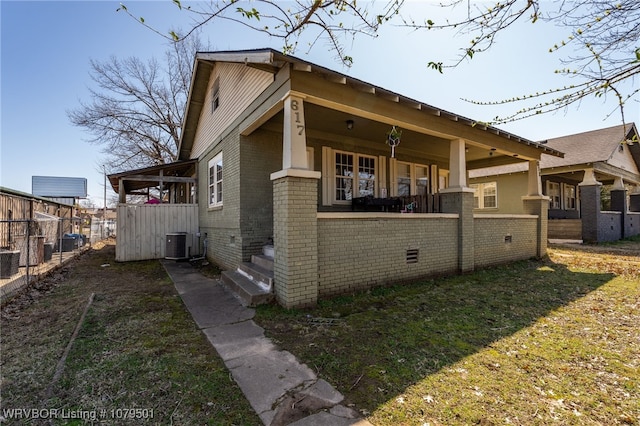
249 293
256 273
264 261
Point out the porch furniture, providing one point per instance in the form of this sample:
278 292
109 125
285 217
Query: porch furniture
371 204
429 203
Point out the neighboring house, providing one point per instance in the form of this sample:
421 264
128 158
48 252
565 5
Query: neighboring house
594 190
296 155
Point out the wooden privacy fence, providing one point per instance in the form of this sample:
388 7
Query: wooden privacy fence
142 228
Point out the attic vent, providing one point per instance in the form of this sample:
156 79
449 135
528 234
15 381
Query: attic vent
412 256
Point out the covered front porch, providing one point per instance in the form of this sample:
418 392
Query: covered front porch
592 202
336 159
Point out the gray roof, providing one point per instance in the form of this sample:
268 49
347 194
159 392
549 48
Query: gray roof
581 148
271 60
587 147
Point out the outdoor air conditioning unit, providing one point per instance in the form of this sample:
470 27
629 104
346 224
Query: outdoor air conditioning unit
177 246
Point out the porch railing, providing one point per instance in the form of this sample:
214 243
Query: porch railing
429 203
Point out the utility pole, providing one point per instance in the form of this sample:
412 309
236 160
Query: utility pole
104 201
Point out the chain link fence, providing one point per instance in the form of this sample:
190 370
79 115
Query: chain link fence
29 249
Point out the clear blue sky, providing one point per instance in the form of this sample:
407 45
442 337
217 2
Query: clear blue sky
46 48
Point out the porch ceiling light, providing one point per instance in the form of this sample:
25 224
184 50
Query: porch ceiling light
350 124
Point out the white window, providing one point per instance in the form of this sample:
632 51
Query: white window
569 197
215 181
422 180
553 192
485 195
403 180
443 178
411 179
354 176
215 95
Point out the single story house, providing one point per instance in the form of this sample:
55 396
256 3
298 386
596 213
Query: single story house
594 190
346 185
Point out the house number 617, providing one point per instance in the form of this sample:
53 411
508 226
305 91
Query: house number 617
295 109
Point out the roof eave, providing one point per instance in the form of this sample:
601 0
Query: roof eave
271 61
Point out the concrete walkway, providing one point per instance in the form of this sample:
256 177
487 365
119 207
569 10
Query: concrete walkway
279 388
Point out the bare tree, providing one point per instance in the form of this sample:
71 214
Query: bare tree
602 51
327 20
601 44
136 108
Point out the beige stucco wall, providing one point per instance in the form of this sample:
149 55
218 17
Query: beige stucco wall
357 251
511 189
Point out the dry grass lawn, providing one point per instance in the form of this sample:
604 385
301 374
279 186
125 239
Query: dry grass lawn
544 342
532 343
138 348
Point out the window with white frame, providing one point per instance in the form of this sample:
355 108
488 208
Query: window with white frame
411 179
366 176
553 192
354 176
403 180
485 195
215 181
569 196
421 179
215 95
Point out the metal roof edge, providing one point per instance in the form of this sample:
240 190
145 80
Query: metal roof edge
10 191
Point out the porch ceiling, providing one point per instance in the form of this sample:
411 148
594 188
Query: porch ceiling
604 173
331 125
340 97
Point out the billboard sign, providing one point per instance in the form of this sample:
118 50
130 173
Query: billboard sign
56 186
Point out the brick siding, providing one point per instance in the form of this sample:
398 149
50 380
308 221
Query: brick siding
504 239
356 253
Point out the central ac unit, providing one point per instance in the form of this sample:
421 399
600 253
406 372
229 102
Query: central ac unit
177 246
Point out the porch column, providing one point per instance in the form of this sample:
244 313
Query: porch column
534 203
538 205
634 200
295 206
457 164
458 198
618 196
295 237
590 206
122 195
535 183
619 203
294 142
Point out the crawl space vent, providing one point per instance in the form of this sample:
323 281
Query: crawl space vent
412 256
